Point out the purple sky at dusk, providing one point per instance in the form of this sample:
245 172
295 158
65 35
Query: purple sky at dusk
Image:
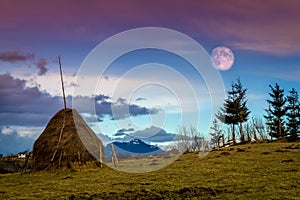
263 35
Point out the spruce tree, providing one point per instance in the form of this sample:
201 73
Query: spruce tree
270 122
276 112
242 110
293 115
235 110
227 115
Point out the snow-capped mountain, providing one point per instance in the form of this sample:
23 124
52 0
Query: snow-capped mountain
135 146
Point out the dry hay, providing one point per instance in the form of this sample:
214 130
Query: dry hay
60 146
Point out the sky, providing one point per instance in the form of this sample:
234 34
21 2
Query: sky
143 87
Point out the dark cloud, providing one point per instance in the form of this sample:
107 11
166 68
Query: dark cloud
103 106
124 110
118 134
18 56
102 97
21 105
125 130
140 99
15 56
17 98
273 27
137 110
151 134
121 101
41 65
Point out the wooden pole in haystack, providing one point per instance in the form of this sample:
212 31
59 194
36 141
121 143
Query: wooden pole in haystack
100 159
62 82
113 156
79 160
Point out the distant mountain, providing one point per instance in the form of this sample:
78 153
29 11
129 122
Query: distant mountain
135 146
136 142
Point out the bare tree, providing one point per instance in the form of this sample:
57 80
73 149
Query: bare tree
260 128
197 139
182 140
255 130
248 132
216 134
189 139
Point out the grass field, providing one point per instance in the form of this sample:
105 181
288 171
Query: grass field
252 171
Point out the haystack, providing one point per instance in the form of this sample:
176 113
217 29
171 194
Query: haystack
65 145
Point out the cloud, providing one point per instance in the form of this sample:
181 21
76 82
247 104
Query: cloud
18 56
41 65
28 106
267 30
121 110
275 23
17 98
21 105
140 99
14 143
15 56
151 134
102 97
71 84
22 131
6 130
104 106
125 130
118 134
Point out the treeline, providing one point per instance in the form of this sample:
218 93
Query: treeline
282 118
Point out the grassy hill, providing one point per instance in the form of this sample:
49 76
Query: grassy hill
252 171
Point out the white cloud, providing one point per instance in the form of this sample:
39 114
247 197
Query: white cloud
23 131
51 83
7 130
164 88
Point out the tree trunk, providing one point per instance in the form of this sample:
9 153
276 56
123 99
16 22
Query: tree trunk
279 129
233 134
241 133
223 140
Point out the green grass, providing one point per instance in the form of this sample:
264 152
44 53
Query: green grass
252 171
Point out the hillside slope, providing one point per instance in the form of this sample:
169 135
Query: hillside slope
252 171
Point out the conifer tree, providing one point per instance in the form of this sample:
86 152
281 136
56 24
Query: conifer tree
235 110
276 112
242 110
227 115
293 115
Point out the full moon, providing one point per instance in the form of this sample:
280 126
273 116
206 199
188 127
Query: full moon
223 58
